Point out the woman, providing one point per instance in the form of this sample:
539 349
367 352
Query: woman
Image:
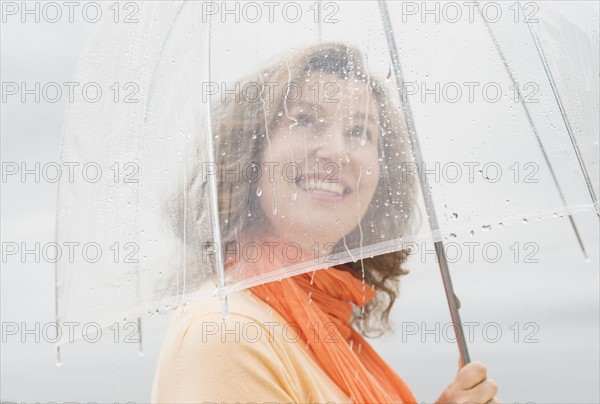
322 154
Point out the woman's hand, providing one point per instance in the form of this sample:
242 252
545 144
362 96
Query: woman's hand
470 385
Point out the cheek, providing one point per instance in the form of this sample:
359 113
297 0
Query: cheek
277 157
370 163
271 183
372 180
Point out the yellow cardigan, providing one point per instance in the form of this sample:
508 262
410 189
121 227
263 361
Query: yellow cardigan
252 356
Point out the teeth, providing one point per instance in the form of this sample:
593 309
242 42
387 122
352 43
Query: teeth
334 187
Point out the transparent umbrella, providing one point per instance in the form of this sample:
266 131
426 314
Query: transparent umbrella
338 131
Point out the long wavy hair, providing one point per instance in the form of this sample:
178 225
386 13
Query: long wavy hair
241 127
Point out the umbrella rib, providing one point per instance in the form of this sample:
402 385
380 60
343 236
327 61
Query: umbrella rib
320 20
214 203
564 116
433 223
535 131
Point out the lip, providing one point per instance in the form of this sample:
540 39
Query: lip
324 196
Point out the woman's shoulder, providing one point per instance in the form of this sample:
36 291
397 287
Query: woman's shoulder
247 321
251 354
207 356
240 304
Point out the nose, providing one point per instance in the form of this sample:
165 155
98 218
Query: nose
331 146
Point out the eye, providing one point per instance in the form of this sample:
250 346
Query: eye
358 131
305 120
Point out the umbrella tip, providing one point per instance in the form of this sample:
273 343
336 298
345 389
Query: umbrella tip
57 358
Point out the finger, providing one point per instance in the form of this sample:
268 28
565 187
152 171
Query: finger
461 364
484 391
494 401
471 375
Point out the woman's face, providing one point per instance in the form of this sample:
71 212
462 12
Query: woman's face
320 164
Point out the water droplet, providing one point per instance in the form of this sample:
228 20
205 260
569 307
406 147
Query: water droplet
454 215
524 221
258 191
486 227
453 235
472 232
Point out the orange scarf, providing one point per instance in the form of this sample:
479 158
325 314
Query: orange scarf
320 305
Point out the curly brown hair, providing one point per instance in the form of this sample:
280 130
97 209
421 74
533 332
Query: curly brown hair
241 130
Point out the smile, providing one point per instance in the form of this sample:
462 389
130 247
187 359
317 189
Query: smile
325 189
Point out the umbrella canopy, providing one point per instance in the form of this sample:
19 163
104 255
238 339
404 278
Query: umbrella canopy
324 125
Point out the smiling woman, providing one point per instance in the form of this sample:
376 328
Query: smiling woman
320 121
325 153
337 144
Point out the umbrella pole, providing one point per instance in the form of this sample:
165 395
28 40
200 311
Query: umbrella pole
453 303
429 206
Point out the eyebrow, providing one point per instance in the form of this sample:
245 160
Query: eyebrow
357 115
319 108
306 104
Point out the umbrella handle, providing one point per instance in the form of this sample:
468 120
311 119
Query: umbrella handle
453 303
